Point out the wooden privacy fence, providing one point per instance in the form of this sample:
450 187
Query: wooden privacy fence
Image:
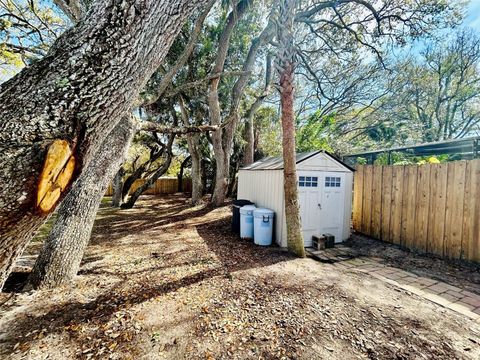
432 208
161 186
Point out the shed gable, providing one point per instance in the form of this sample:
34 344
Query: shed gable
321 162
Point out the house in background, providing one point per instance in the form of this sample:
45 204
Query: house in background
324 191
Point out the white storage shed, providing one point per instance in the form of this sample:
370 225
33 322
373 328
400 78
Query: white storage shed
324 190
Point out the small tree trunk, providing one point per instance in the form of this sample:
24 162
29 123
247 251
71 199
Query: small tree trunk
138 173
132 199
206 189
117 197
221 156
62 252
221 183
197 179
180 174
287 98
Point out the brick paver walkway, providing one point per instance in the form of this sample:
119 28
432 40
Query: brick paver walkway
449 296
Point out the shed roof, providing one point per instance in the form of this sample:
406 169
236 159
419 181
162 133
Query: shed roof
276 163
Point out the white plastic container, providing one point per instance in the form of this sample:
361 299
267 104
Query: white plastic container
263 226
246 221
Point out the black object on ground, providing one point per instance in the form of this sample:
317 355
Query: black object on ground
329 241
237 204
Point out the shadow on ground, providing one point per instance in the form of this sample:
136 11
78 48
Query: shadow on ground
147 235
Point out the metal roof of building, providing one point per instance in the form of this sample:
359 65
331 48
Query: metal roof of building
276 163
467 148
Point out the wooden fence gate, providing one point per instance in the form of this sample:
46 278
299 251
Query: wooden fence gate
432 208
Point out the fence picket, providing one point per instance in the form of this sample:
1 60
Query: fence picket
377 201
367 200
397 204
471 209
422 208
408 208
454 209
358 198
438 201
386 202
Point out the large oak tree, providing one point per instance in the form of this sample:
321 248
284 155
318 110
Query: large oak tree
65 103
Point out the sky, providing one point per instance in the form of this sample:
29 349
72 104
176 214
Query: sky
473 15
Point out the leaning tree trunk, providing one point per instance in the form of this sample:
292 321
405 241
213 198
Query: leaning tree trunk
286 72
62 252
68 101
223 141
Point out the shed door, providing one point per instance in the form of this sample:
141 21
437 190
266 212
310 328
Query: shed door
332 204
309 196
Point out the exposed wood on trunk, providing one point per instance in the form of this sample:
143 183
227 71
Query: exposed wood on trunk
78 93
62 252
286 71
56 174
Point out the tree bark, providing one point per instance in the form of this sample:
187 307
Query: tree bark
197 177
117 198
62 252
77 94
138 172
287 97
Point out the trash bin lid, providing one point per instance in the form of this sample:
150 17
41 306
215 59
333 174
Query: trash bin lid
247 209
241 202
260 212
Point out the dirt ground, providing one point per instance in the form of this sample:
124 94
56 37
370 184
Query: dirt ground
166 281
